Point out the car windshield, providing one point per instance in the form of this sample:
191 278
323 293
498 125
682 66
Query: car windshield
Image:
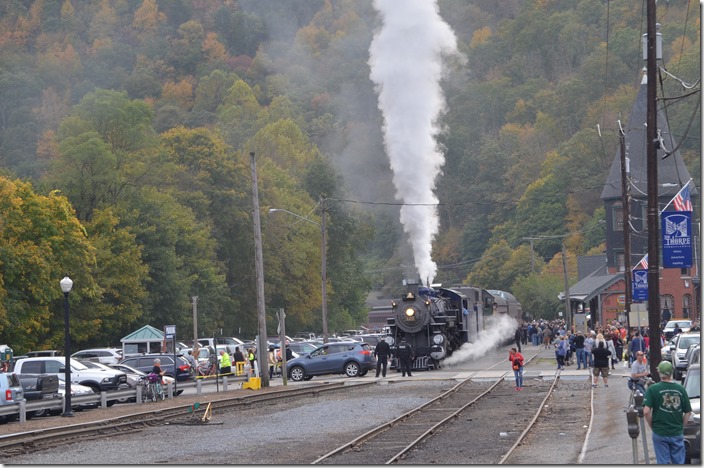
674 323
692 383
685 341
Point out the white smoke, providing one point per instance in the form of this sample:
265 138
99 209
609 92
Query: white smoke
498 329
406 66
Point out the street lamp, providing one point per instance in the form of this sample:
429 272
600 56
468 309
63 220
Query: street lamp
323 263
66 285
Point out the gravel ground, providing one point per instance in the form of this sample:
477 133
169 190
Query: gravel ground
295 433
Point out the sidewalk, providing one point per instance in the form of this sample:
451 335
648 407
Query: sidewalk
607 441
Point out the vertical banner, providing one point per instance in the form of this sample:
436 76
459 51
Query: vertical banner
676 239
640 285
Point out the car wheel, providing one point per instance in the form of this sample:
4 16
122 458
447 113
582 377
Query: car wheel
352 369
297 373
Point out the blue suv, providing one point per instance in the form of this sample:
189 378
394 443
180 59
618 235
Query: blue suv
353 359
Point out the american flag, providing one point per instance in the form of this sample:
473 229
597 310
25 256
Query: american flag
682 201
643 264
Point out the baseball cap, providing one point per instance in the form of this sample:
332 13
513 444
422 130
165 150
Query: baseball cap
665 367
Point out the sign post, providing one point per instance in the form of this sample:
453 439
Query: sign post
170 333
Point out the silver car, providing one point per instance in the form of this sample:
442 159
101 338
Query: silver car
12 392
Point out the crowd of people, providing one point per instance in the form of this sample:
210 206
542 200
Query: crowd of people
666 405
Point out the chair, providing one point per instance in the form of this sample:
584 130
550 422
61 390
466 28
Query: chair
239 368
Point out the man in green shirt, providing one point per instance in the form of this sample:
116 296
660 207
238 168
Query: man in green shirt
666 408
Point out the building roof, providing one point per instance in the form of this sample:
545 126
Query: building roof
146 333
591 264
671 170
588 288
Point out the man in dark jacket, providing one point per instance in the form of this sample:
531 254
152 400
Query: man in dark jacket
381 352
404 352
517 338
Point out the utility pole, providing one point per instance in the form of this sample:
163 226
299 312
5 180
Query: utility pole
324 268
625 201
653 228
262 348
195 325
568 306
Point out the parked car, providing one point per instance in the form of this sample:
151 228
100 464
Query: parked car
11 392
76 390
302 347
678 353
98 380
39 387
354 359
692 430
136 376
145 363
667 349
669 329
104 355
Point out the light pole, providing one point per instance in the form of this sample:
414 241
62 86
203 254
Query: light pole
323 263
66 285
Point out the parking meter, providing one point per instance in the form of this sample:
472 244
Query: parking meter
633 430
638 399
632 418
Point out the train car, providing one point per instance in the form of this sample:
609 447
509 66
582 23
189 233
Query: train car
437 321
506 303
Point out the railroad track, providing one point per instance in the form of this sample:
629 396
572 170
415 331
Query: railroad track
397 440
19 443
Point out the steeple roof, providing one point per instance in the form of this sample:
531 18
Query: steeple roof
672 172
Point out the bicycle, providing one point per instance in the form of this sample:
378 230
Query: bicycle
153 390
636 385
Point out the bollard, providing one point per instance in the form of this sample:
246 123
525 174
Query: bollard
224 383
199 384
633 430
103 400
170 389
140 389
639 406
23 411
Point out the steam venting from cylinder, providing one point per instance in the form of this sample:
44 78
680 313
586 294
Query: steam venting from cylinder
406 60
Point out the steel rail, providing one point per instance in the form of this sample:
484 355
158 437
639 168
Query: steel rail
532 421
380 429
440 424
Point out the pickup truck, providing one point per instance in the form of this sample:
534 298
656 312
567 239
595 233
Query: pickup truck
39 387
98 380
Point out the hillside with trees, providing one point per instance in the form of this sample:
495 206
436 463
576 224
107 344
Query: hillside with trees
126 128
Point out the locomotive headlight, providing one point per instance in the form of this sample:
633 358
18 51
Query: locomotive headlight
438 339
410 312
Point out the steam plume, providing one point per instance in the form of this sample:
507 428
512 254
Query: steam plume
406 66
498 330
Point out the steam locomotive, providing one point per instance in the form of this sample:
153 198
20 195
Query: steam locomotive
437 321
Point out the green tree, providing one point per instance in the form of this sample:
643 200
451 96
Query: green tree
42 242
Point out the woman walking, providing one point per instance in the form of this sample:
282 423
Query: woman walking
517 364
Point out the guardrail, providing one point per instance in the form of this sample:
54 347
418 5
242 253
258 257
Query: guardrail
101 399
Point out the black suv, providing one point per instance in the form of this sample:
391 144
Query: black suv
145 363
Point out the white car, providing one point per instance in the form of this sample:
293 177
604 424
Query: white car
104 355
679 352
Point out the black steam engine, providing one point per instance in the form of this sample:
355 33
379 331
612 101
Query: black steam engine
437 321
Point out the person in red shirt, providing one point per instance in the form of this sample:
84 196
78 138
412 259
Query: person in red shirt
517 364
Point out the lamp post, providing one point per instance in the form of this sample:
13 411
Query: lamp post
323 261
66 285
